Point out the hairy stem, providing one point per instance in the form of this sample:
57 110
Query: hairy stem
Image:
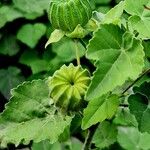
77 52
89 137
143 74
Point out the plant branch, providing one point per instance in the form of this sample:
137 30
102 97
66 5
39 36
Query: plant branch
143 74
89 137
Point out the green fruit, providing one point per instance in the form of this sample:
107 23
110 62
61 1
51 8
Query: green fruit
68 86
67 14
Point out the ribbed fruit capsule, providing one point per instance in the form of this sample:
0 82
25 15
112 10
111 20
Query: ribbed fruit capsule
68 86
67 14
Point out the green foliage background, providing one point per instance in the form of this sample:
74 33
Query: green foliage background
24 30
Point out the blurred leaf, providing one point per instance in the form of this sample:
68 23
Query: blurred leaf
30 116
8 14
146 45
31 59
66 49
102 1
8 45
30 34
33 8
45 145
76 144
139 105
9 78
105 135
125 118
131 139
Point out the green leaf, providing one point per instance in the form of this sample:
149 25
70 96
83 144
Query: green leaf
45 145
30 34
146 45
143 89
114 15
100 109
66 49
55 36
125 118
120 56
9 78
140 19
37 64
131 139
33 8
140 107
105 135
8 14
8 45
30 116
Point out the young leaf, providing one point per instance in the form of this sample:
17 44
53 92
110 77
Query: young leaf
55 36
105 135
131 139
9 78
120 56
140 19
139 106
30 116
30 34
100 109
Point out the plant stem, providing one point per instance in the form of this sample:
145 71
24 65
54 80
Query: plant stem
143 74
77 52
89 137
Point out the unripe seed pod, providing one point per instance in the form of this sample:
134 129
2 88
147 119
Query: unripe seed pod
67 14
68 86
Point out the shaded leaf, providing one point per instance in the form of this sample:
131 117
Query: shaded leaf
105 135
37 64
45 145
9 78
125 118
8 45
8 14
33 8
139 106
66 49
